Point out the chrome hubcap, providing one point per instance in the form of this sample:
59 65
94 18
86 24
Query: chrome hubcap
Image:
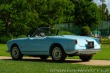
56 53
15 52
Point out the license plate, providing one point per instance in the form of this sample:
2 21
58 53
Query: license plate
90 44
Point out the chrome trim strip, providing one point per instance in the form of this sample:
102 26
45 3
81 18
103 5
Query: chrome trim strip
86 51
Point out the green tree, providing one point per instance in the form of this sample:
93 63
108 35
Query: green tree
55 11
86 13
109 17
24 16
104 12
17 16
5 14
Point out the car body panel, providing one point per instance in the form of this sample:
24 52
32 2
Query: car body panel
41 45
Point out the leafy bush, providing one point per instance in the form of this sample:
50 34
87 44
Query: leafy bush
105 41
85 31
22 36
4 39
65 33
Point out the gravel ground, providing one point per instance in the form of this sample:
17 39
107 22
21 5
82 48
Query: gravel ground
72 61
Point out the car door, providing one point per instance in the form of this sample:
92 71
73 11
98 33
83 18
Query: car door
37 44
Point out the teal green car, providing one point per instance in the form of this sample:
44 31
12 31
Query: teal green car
56 46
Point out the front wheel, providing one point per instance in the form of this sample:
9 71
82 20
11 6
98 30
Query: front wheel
15 53
58 54
86 57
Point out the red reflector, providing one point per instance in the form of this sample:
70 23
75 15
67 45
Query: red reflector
76 42
99 40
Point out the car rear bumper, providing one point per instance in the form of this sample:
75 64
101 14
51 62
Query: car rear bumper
87 51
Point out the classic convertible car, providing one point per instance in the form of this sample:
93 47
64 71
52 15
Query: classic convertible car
58 46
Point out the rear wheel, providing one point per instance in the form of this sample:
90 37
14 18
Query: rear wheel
86 57
44 57
58 54
15 53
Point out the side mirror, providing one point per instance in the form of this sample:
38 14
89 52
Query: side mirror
28 36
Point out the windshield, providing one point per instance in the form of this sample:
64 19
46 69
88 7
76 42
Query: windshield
45 31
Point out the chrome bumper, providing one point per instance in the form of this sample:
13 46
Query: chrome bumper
87 51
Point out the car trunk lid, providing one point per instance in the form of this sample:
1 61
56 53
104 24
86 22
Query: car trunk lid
82 40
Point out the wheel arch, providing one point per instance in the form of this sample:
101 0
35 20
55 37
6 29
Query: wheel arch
14 44
15 56
55 44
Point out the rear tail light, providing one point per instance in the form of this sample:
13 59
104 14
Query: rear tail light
99 40
76 42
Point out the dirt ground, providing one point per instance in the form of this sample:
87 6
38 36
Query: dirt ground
72 61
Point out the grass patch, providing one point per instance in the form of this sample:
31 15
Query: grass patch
38 66
3 49
104 54
27 66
